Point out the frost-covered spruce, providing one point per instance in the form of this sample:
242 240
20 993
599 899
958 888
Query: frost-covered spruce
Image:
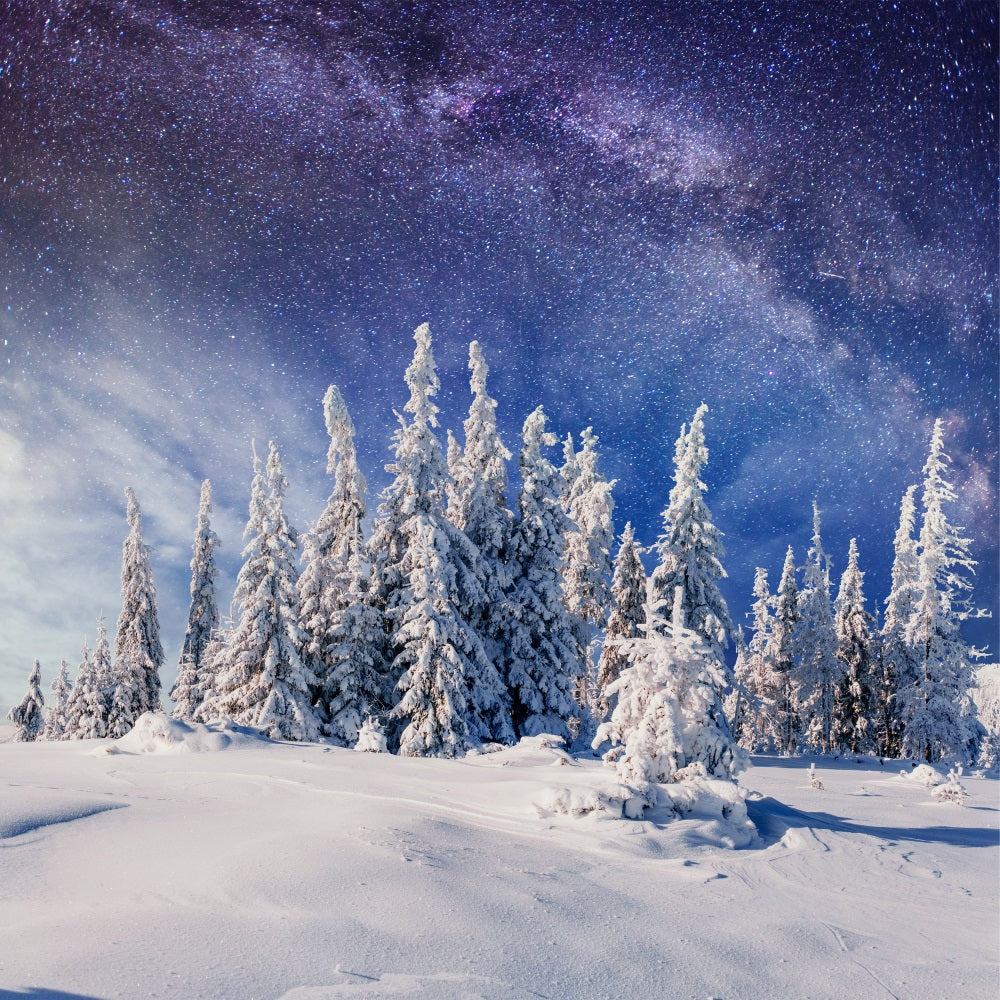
587 564
628 613
939 715
477 505
262 681
28 716
138 652
542 659
898 667
690 548
343 629
668 714
784 723
853 702
55 718
439 654
753 697
87 709
203 615
419 553
818 671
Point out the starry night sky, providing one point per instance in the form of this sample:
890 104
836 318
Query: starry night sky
210 211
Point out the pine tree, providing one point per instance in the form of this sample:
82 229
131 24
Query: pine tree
56 717
262 681
941 716
587 563
450 694
669 715
898 664
28 717
818 671
337 614
645 727
785 724
690 549
478 507
203 616
87 709
138 652
853 704
628 601
542 660
754 696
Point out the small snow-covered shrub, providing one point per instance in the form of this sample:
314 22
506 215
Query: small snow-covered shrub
951 790
924 775
371 737
813 780
583 801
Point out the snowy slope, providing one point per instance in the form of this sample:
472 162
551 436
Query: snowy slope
209 864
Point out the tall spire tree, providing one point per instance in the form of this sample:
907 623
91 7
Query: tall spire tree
628 614
755 693
897 657
138 651
587 564
940 715
854 701
28 716
203 615
261 680
818 671
449 693
690 548
337 613
542 659
478 505
786 724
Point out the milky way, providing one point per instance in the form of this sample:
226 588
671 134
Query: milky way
208 212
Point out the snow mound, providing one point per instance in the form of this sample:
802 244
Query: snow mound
924 775
35 808
717 808
155 732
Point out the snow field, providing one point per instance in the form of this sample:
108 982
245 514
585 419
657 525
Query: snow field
305 872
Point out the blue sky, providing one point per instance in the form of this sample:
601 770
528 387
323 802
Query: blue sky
209 215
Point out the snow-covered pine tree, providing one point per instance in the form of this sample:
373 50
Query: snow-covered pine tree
542 659
628 614
261 679
87 709
439 654
56 717
426 576
754 695
138 652
854 699
898 665
478 506
784 724
645 727
940 716
818 671
690 548
203 615
342 626
587 563
669 714
28 716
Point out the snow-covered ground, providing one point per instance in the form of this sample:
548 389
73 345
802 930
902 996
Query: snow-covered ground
211 864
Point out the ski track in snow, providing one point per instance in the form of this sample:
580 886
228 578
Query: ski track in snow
304 872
